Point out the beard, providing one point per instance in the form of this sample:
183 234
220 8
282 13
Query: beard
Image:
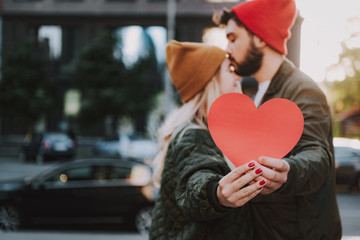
252 62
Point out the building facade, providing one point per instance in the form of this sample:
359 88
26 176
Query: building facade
81 21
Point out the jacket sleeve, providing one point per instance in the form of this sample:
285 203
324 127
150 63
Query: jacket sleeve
199 165
311 161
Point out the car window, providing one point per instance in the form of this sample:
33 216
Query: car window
57 137
119 173
112 173
101 173
72 175
344 154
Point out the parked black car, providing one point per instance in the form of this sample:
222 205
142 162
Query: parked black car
347 162
88 191
49 145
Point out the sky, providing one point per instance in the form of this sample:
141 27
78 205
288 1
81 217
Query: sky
134 46
323 29
53 33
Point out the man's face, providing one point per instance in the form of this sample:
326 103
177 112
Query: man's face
244 55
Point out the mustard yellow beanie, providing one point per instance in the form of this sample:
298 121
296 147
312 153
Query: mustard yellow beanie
192 65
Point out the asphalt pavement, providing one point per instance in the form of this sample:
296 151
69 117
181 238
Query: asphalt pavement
71 235
11 167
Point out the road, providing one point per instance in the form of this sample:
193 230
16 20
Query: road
72 235
11 168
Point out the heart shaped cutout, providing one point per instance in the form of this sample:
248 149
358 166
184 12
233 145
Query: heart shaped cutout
244 133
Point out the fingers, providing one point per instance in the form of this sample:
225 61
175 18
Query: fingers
226 190
237 172
245 179
249 192
234 194
278 164
275 169
270 186
242 196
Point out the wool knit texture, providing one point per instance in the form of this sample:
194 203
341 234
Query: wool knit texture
192 65
271 20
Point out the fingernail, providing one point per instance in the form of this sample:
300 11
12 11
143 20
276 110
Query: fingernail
251 164
262 182
258 171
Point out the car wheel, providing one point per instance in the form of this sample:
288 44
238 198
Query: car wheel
143 220
10 217
39 159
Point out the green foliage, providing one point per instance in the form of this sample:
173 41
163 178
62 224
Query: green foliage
98 76
108 87
25 91
345 93
143 84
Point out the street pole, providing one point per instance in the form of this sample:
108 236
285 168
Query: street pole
168 103
171 18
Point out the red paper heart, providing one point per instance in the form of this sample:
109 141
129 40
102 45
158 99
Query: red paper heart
244 133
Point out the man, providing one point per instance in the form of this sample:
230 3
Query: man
299 199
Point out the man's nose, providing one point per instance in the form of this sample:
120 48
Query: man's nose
228 49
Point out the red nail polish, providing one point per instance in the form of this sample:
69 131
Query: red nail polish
258 171
251 164
262 182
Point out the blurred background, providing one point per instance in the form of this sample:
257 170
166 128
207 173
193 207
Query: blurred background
96 67
87 78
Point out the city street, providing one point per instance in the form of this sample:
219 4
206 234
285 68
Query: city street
11 167
73 235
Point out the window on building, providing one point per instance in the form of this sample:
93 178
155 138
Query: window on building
135 41
50 37
72 102
70 44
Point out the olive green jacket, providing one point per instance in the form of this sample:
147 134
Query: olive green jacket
305 207
187 207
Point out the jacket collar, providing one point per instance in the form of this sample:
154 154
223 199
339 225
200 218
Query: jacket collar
284 71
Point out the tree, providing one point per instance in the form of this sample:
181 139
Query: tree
144 83
344 91
25 90
100 78
109 89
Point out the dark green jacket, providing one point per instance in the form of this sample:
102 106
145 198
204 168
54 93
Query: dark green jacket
186 207
305 207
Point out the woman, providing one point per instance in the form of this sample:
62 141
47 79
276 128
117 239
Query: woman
199 197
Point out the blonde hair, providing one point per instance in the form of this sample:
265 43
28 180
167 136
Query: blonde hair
194 112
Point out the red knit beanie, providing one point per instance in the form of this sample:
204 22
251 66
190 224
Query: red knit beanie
271 20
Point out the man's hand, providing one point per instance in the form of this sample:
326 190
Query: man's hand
275 172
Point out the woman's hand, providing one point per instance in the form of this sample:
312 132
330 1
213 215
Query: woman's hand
275 173
231 191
